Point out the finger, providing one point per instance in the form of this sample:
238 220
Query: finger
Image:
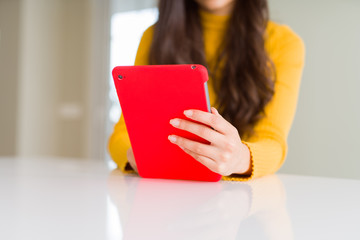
200 130
131 159
207 162
214 120
196 147
214 111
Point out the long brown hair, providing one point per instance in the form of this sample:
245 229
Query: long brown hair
245 83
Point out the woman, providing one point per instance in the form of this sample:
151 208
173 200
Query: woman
255 67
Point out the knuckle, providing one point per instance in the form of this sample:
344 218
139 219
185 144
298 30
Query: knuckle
224 157
182 124
198 158
180 141
195 114
198 149
229 146
221 169
214 120
203 131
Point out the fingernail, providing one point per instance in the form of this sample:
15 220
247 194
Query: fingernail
172 138
175 122
188 113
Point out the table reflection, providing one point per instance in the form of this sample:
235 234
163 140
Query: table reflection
173 209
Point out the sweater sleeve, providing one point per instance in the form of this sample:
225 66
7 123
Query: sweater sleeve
268 146
119 141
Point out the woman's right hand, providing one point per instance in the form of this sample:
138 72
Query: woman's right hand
131 159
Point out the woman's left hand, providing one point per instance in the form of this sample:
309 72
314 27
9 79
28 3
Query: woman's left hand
225 155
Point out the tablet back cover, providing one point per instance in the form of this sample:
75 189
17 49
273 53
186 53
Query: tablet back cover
150 96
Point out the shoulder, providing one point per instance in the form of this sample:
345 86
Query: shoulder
283 44
148 34
144 46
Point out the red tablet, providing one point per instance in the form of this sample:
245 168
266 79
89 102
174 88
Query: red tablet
150 96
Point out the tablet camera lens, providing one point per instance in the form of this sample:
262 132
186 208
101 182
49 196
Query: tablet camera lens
120 77
193 67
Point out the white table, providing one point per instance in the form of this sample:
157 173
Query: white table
56 198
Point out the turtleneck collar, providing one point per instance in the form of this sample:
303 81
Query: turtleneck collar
213 21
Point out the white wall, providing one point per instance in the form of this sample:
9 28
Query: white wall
325 136
9 61
54 58
98 75
40 75
63 78
125 5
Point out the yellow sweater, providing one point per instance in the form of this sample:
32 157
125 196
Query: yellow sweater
269 148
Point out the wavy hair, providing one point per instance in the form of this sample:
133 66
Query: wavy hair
242 73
